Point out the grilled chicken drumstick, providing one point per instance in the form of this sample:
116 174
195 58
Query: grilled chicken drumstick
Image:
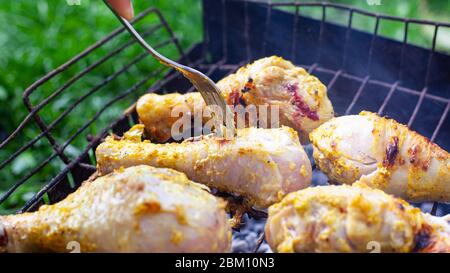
260 164
352 219
139 209
302 98
383 154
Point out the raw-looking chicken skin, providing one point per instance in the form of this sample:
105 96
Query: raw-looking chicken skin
138 209
352 219
383 154
261 165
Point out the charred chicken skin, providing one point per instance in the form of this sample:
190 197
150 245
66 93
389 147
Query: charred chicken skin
352 219
261 165
302 99
139 209
383 154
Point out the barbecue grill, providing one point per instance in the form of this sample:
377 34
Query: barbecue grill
363 71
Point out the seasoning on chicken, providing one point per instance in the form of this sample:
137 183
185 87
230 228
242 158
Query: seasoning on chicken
302 99
352 219
261 165
139 209
382 154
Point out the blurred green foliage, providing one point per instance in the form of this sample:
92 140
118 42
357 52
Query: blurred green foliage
38 36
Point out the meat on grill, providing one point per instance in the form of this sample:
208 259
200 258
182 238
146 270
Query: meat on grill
260 164
139 209
302 99
352 219
383 154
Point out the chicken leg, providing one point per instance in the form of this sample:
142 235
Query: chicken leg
260 164
139 209
383 154
352 219
302 99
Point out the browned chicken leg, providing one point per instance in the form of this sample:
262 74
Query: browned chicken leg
302 99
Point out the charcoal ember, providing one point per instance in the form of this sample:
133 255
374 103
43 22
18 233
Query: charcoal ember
319 178
309 151
245 240
442 209
264 248
240 246
425 206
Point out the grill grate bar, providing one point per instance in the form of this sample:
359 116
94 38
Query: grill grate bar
79 164
65 66
321 31
92 144
372 42
259 242
427 78
353 9
334 79
248 51
357 95
402 54
25 178
434 208
294 35
64 146
267 25
94 141
224 35
417 107
312 68
111 102
388 97
441 121
347 37
71 107
383 84
211 70
47 131
89 69
315 67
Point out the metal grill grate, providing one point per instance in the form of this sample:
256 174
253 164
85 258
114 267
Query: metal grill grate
363 70
76 168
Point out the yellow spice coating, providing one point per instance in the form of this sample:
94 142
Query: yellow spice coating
261 165
302 99
384 154
350 219
139 209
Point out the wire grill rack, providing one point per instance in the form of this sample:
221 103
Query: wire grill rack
362 70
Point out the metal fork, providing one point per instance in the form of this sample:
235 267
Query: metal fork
207 88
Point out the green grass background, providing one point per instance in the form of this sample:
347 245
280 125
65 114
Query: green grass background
39 35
